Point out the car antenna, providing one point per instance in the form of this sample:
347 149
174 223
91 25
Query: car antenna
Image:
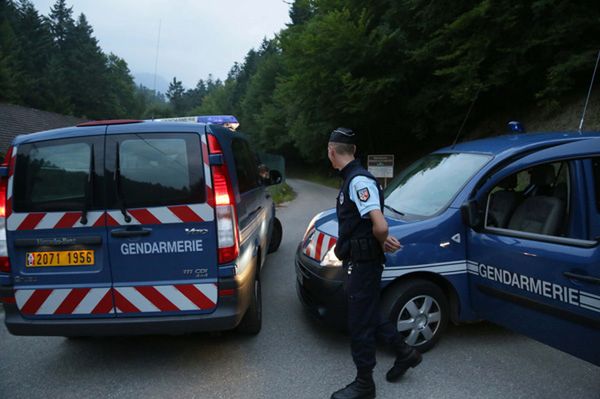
466 118
589 93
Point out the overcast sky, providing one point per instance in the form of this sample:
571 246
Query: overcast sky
197 37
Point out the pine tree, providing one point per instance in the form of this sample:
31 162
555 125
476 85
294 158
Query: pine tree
36 46
88 87
9 48
175 96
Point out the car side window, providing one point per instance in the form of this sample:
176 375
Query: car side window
534 200
246 166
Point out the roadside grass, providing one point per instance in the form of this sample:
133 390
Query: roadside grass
281 193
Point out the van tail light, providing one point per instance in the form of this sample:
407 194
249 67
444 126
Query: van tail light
226 215
4 262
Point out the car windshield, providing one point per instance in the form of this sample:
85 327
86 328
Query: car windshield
428 185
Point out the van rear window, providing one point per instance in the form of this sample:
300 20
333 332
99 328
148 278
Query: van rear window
158 169
54 176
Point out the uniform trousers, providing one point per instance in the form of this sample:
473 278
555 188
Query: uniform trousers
365 322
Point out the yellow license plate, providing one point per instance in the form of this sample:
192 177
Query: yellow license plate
59 258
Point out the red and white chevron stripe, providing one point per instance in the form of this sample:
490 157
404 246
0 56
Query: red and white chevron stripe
65 301
196 213
165 298
134 299
52 220
318 245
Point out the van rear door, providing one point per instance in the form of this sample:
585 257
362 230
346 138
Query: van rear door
161 229
56 229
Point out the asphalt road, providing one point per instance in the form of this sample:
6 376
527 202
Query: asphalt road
293 357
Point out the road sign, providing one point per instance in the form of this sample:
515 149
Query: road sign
381 165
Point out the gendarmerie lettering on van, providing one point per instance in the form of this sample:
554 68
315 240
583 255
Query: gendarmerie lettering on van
161 247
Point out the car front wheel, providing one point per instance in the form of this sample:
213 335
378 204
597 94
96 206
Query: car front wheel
419 310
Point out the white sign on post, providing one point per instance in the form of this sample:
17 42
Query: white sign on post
381 165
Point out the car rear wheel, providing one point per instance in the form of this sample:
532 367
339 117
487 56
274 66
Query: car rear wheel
419 310
276 236
252 321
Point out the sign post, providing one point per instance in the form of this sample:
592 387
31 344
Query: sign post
381 166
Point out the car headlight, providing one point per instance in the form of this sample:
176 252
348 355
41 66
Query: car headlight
330 259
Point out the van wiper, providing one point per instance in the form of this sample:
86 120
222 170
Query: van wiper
393 210
89 189
117 180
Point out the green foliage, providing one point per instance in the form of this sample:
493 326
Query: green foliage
404 72
281 193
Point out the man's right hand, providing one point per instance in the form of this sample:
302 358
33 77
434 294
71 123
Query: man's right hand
391 244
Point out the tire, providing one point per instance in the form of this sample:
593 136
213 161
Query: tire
276 236
419 310
252 321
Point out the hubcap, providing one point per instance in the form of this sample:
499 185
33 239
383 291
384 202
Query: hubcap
419 320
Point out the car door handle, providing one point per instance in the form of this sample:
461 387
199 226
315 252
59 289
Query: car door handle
582 277
124 233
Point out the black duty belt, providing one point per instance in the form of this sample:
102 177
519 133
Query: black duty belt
365 249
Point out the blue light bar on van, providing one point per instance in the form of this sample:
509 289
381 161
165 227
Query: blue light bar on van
228 121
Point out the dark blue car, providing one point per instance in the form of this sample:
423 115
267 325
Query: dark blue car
504 229
133 227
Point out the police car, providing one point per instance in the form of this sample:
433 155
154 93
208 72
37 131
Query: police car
504 229
134 227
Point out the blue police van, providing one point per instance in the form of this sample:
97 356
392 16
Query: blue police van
134 227
504 229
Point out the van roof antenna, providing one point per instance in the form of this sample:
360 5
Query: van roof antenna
466 118
156 63
589 93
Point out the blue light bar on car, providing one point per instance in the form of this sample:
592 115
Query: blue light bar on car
515 127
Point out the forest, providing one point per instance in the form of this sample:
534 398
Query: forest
402 73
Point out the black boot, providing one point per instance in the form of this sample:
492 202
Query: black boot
403 362
363 387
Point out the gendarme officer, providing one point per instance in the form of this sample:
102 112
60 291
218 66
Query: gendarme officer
362 239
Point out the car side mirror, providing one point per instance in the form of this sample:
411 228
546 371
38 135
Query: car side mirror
471 214
274 178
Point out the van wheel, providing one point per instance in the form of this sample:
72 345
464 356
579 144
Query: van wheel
252 321
419 310
276 236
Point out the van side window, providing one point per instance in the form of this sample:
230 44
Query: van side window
54 175
535 200
246 166
159 169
